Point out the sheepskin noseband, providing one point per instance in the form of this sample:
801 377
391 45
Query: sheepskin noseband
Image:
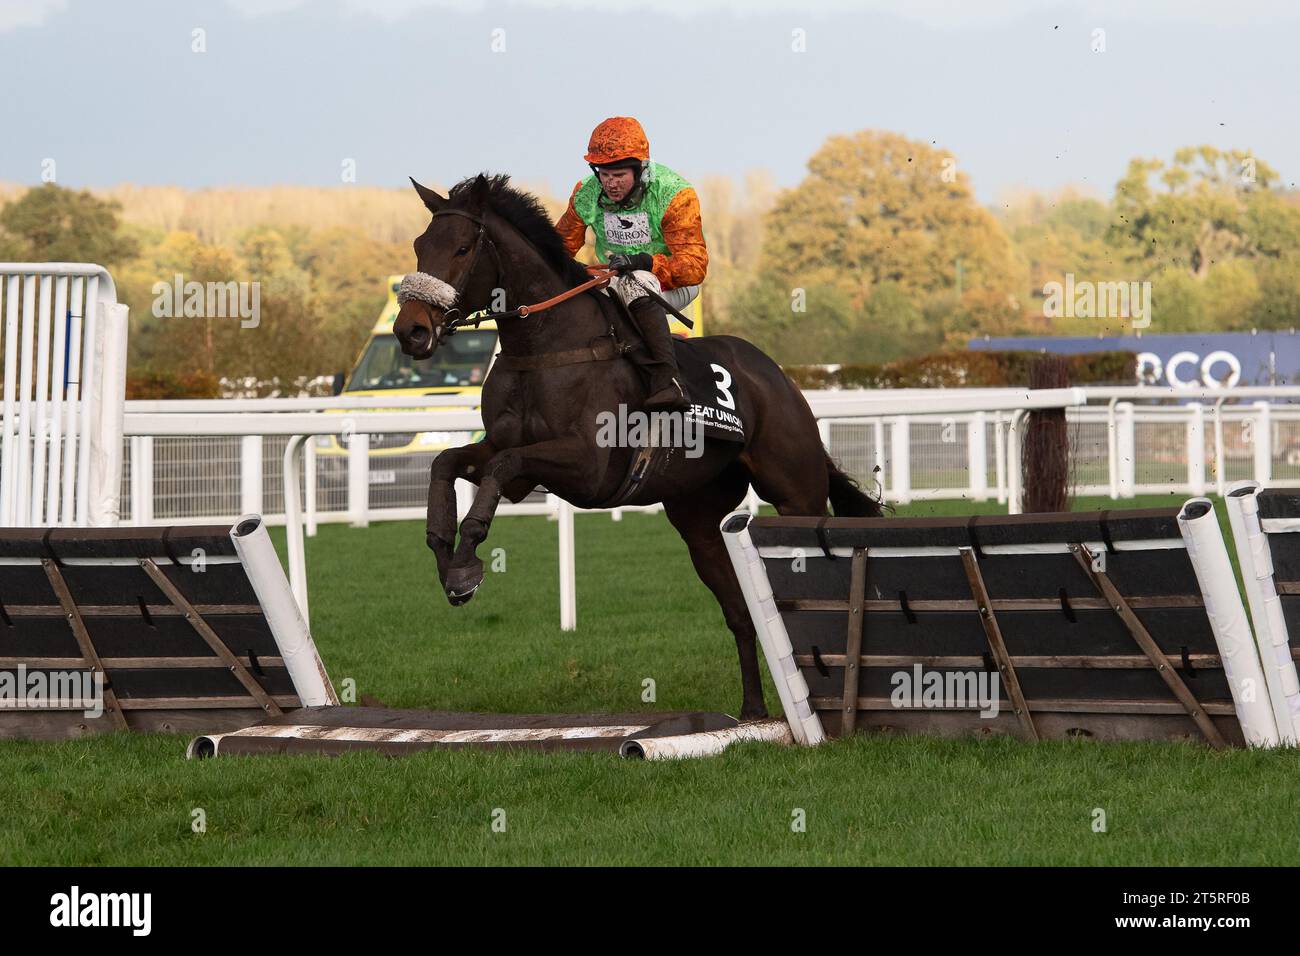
426 288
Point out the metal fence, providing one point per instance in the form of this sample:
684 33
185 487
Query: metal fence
1118 449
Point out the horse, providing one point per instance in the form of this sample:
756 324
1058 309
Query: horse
562 372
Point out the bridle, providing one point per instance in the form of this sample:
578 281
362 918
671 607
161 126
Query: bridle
454 319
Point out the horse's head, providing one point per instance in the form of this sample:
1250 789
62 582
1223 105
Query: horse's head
456 269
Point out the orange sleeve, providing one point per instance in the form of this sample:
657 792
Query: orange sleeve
683 230
571 227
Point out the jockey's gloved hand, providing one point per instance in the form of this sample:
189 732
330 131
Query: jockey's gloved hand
622 263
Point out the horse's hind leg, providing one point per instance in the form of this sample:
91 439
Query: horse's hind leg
696 517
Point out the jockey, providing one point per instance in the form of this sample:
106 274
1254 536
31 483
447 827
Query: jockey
646 220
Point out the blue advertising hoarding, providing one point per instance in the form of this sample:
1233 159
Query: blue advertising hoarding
1187 360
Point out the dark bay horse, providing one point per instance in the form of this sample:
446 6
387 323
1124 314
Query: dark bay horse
560 374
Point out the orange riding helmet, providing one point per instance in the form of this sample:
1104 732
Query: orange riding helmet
617 138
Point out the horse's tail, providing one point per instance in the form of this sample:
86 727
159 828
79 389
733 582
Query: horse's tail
847 497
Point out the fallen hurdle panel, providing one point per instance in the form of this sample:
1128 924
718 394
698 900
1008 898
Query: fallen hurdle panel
1077 624
337 730
148 629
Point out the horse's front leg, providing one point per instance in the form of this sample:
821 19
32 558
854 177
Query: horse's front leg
560 457
468 462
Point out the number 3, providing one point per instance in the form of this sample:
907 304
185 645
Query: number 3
725 398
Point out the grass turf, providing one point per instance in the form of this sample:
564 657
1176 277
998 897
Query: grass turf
384 630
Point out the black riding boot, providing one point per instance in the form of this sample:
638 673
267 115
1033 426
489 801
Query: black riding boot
666 391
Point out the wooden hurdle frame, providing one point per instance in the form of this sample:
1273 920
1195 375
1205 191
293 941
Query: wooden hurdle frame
175 628
1117 625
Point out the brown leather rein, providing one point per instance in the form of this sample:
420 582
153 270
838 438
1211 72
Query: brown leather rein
601 274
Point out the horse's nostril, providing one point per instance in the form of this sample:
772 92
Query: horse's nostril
419 335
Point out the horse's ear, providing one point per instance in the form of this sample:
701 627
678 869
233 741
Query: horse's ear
429 197
478 194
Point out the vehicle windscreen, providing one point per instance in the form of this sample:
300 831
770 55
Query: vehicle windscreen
461 360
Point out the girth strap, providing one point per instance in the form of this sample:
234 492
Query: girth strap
605 349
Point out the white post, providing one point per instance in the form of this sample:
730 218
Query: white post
900 459
1227 616
1125 449
878 430
40 427
568 586
137 479
54 474
1112 449
1220 465
1000 457
91 393
293 527
145 466
359 479
791 687
310 482
22 486
74 400
7 470
824 430
1014 477
250 474
1196 448
1262 440
105 476
1271 636
977 456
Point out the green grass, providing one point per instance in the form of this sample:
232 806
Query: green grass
642 615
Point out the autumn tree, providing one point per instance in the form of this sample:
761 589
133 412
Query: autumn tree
53 224
891 229
1205 207
877 207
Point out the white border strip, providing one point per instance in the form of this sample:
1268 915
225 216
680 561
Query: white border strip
804 723
1280 525
781 552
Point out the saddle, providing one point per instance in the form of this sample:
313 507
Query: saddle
709 387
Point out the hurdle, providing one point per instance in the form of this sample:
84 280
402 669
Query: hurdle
195 630
170 628
1117 625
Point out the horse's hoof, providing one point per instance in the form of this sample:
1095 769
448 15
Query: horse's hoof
752 713
463 581
457 600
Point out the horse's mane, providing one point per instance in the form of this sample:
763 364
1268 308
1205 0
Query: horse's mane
526 213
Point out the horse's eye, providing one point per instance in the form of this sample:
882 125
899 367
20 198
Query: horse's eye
462 250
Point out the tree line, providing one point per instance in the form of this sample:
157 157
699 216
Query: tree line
882 251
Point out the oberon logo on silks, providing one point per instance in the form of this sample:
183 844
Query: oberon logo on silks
75 908
627 228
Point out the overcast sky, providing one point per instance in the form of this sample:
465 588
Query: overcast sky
287 90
